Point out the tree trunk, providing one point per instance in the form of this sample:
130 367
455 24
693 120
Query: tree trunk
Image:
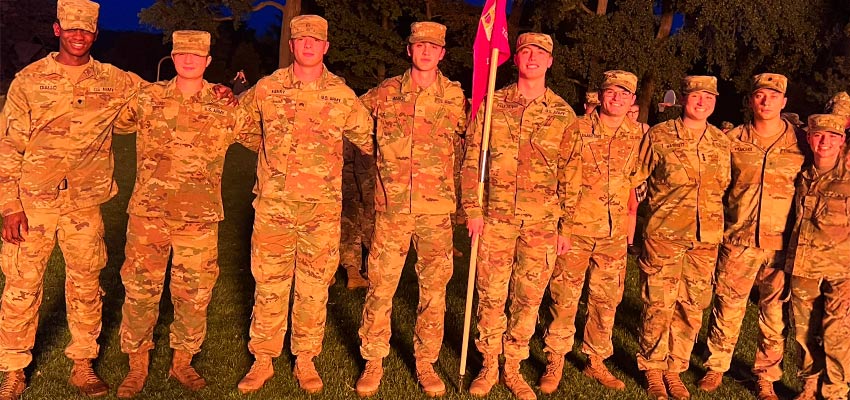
291 9
428 6
602 7
644 99
382 67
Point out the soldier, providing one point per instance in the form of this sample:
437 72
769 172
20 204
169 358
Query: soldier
55 171
518 221
596 229
686 165
591 101
766 158
183 134
840 105
419 117
726 126
305 112
358 212
818 260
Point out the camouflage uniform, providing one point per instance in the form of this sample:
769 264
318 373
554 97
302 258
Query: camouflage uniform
57 167
417 130
297 210
818 259
687 173
176 204
595 220
358 206
521 209
757 206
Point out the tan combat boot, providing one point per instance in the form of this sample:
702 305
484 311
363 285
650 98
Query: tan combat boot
515 382
370 380
182 370
596 369
355 279
554 371
677 388
711 381
487 377
655 384
307 376
766 391
810 389
431 383
13 386
135 379
260 372
84 378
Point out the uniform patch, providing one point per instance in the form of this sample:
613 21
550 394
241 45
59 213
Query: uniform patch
335 100
214 110
743 149
101 90
679 145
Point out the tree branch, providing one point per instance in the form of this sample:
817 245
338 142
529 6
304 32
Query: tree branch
257 7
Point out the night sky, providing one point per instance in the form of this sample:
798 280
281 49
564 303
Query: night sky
122 15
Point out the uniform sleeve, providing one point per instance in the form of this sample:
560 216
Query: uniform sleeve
644 162
470 170
14 139
127 121
248 130
370 101
358 128
569 177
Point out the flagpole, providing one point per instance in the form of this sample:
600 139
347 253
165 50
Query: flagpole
482 167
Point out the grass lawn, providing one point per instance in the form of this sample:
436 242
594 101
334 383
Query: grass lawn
225 358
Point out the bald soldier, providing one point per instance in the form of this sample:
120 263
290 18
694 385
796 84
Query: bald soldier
685 163
767 155
518 221
419 117
305 112
183 133
595 226
55 170
818 259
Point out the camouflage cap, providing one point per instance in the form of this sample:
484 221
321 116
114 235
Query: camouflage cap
540 40
191 42
793 118
591 97
770 81
839 104
309 25
623 79
726 125
826 123
430 32
77 14
700 83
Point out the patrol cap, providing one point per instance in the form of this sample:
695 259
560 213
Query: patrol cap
77 14
191 42
623 79
839 105
770 81
793 118
309 25
430 32
540 40
700 83
826 123
725 125
591 97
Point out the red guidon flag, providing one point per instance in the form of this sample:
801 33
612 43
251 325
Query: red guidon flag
492 33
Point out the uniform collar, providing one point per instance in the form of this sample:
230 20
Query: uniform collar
290 81
205 95
789 136
513 95
436 88
93 69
